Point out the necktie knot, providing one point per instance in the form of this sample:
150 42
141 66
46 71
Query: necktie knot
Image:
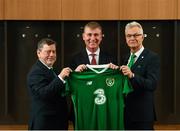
93 55
53 71
131 61
93 60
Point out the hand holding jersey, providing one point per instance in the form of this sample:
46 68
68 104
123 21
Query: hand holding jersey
126 71
83 67
98 97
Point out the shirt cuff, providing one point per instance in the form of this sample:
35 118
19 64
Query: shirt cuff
133 75
61 79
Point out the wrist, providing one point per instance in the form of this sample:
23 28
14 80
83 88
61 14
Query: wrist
132 76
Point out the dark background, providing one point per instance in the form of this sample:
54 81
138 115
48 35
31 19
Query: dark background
18 41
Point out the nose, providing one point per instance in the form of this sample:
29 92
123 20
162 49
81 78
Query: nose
52 53
93 37
132 37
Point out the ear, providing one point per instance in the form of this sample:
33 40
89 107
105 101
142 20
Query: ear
143 36
38 52
83 35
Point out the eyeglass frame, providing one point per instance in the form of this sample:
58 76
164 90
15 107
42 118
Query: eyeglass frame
136 35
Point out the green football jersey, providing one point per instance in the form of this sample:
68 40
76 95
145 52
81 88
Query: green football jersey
98 98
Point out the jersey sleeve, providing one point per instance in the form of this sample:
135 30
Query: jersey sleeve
127 86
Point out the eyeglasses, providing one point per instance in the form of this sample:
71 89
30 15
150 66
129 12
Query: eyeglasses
134 35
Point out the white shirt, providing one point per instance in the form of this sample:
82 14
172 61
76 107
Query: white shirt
137 54
96 56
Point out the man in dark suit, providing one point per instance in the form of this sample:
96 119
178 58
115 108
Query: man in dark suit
49 108
92 54
143 76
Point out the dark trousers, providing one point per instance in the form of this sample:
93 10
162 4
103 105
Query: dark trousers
137 125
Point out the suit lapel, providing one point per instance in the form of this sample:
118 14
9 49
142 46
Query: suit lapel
103 59
85 58
45 69
140 59
100 57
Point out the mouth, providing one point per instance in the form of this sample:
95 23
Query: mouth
50 59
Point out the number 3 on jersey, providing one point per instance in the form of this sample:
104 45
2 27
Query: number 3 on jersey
100 97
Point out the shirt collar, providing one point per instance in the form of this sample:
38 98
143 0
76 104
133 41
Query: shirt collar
96 52
137 54
45 64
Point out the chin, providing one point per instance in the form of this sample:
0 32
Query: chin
50 63
132 46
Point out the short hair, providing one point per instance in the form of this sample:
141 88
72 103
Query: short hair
45 41
93 25
133 24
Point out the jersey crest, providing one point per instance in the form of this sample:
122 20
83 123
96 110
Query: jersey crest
110 81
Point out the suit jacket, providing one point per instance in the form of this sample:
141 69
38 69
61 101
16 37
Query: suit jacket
49 109
139 104
82 58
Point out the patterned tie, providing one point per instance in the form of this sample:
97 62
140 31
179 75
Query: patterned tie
131 62
93 60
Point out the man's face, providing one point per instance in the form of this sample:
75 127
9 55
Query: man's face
134 38
47 54
92 38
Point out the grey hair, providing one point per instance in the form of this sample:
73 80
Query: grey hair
133 24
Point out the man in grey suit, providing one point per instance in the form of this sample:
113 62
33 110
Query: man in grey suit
48 107
143 76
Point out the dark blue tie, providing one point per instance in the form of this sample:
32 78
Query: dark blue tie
53 72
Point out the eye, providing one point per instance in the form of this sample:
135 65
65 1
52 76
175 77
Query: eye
89 34
134 35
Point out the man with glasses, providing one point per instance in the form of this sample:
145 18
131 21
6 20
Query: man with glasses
143 71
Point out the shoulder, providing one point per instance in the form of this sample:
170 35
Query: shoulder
37 68
106 55
80 54
150 53
151 57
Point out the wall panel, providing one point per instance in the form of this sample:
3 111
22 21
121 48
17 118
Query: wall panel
32 9
68 12
133 9
178 9
89 9
1 9
2 69
80 9
162 9
109 9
